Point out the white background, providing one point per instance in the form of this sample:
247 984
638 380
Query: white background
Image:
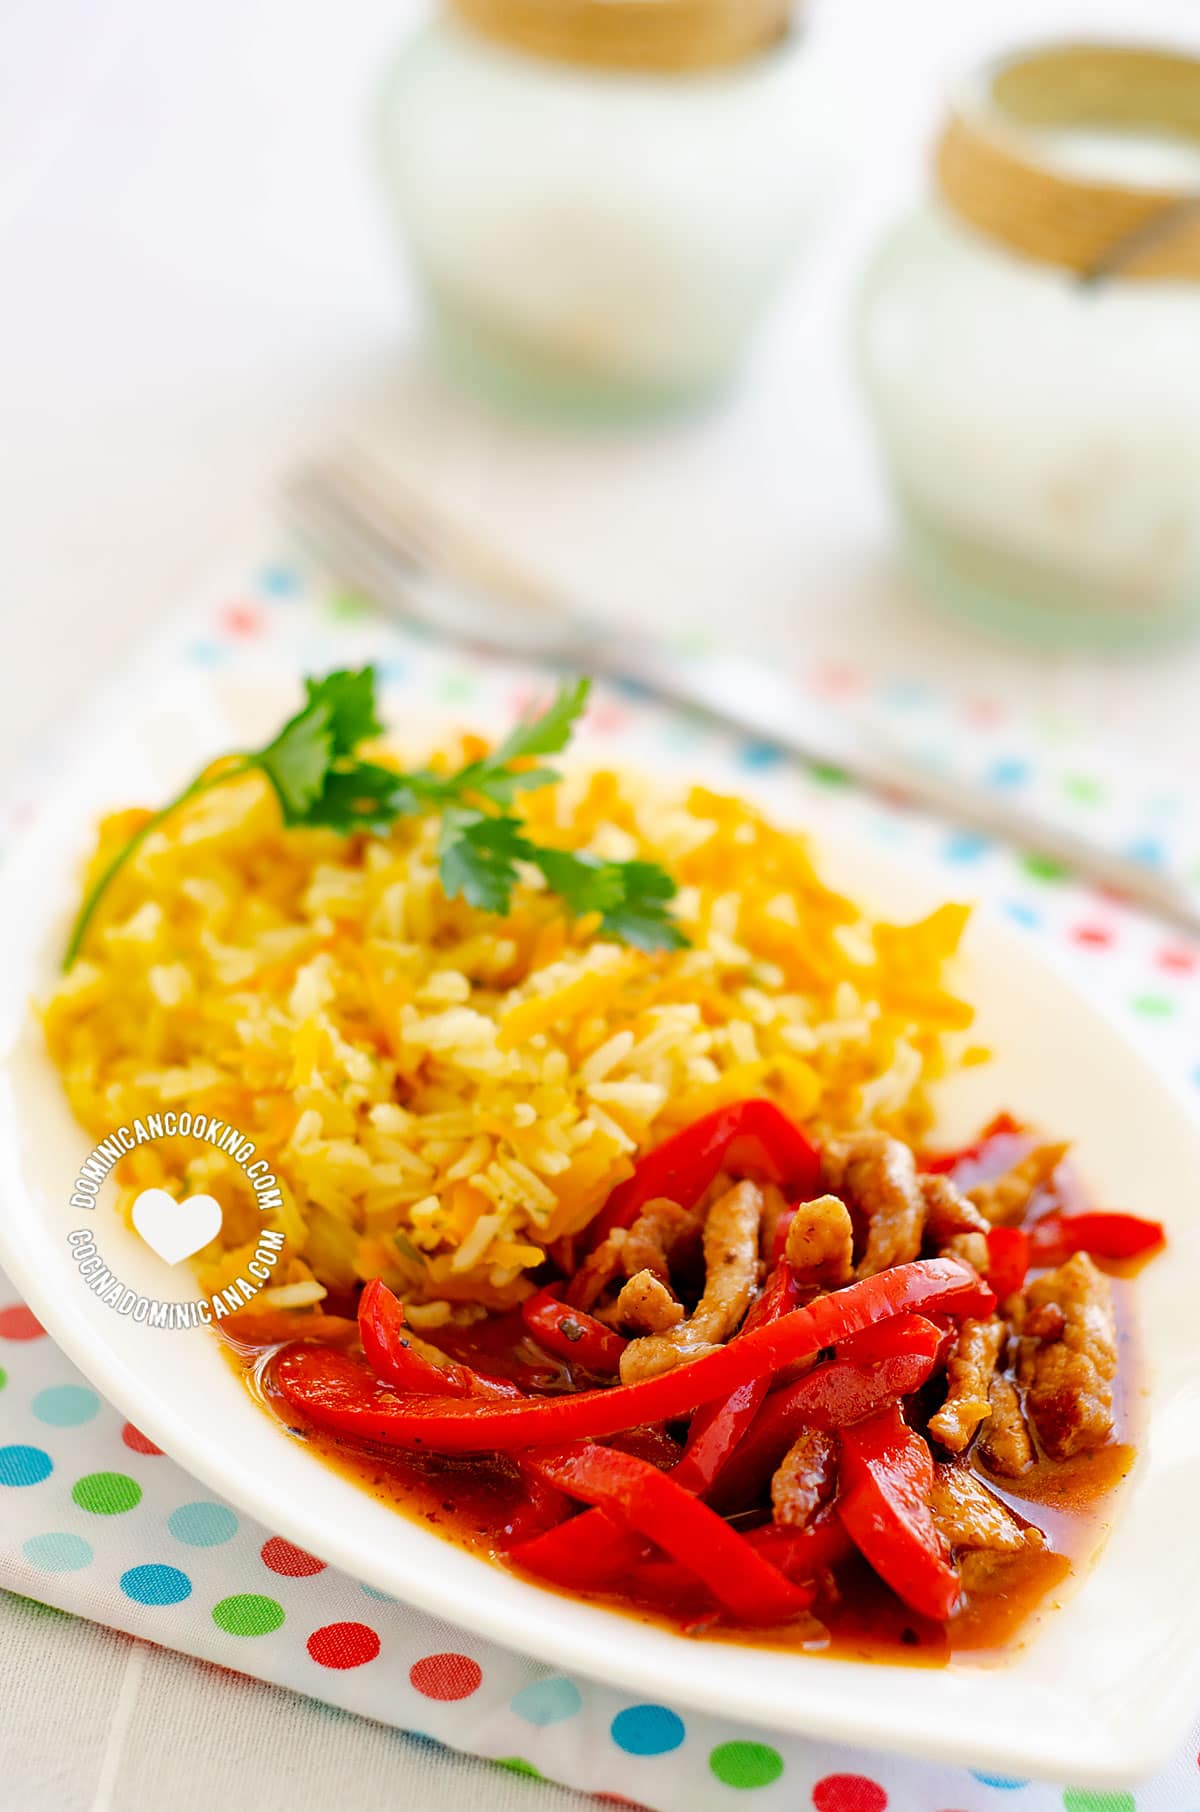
195 285
197 281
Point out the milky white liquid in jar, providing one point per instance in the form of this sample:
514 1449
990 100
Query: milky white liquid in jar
1042 433
600 238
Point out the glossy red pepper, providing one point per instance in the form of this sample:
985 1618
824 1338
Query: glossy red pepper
892 1361
1008 1260
718 1427
572 1334
1105 1235
885 1482
1002 1143
753 1133
801 1554
328 1388
392 1357
652 1504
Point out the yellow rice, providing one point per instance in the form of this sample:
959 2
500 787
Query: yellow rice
444 1093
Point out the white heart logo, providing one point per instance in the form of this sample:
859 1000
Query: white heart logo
176 1230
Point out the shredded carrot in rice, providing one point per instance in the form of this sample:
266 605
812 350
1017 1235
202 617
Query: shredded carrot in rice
443 1093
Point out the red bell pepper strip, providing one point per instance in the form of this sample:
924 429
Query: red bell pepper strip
754 1132
328 1389
393 1358
835 1395
650 1502
586 1553
718 1427
571 1334
1001 1143
1008 1260
1105 1235
886 1478
802 1554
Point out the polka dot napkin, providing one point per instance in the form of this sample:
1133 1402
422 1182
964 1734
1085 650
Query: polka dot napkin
96 1520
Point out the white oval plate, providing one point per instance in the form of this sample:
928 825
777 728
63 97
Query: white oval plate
1105 1684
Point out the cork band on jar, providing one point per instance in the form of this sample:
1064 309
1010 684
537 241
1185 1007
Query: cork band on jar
656 35
992 173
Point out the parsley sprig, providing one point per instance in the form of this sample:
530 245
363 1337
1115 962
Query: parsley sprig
320 781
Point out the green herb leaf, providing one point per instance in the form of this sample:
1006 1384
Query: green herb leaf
349 698
549 733
297 762
366 797
478 857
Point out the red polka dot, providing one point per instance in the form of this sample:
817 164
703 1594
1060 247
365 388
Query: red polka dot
848 1793
241 619
292 1562
446 1676
1178 961
343 1645
605 719
135 1439
20 1323
983 712
834 678
1097 936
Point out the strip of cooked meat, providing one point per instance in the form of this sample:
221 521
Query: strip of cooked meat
805 1478
646 1304
731 1274
969 1516
650 1244
1004 1200
1069 1357
877 1176
954 1227
820 1244
969 1372
1004 1439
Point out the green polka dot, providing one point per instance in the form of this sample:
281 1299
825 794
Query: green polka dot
1083 789
3 1377
1077 1799
746 1764
828 775
106 1493
248 1614
1044 868
348 605
516 1764
1154 1006
457 686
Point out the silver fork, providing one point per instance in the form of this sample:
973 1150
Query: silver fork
391 544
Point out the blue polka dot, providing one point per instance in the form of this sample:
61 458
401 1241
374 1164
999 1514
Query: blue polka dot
1196 1075
392 671
1021 914
1009 771
759 755
647 1730
420 1740
966 846
203 1525
383 1597
205 654
65 1405
58 1553
24 1465
278 581
1006 1783
153 1584
1147 852
548 1701
906 695
630 687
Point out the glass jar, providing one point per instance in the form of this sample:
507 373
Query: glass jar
599 197
1030 343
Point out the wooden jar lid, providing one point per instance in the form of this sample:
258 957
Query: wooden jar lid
993 173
